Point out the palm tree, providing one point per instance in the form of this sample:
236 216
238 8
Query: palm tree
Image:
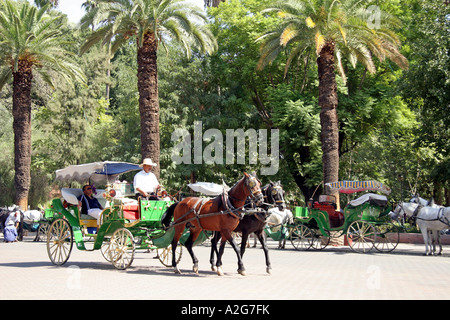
332 29
213 3
41 3
30 41
148 23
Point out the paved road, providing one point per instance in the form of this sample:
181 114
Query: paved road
335 273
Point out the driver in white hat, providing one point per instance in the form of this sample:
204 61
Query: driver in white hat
145 182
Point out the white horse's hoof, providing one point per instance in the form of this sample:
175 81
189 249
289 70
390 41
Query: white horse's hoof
220 271
176 270
213 268
269 270
195 269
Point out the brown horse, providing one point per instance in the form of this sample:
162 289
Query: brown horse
222 213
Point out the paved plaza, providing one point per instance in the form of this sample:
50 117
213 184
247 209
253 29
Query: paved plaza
334 273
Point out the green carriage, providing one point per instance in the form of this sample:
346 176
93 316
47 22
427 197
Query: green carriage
124 225
364 222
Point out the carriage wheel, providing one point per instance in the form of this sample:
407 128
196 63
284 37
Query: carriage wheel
387 238
121 249
301 237
104 249
320 241
361 236
42 232
165 255
59 242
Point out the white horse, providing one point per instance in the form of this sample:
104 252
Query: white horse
434 236
277 220
427 218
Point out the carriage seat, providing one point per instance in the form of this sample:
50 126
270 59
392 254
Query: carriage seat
131 211
71 196
335 217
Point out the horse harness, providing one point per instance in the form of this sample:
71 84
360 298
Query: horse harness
229 209
440 215
238 213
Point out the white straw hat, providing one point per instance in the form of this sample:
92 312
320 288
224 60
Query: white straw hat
148 161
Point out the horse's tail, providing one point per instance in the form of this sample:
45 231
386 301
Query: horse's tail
168 215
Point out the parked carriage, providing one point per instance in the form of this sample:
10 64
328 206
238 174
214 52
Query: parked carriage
365 221
125 225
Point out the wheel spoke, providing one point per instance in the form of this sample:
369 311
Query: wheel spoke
59 241
121 249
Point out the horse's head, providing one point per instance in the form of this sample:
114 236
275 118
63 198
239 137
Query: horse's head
403 208
417 199
253 187
398 211
275 195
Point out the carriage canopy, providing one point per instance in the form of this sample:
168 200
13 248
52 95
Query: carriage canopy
97 171
358 186
208 188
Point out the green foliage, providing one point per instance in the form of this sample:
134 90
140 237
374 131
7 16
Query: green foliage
393 124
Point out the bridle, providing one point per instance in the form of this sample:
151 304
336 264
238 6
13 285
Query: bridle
253 185
274 193
413 217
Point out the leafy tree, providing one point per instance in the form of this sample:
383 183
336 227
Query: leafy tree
30 41
148 24
426 87
333 29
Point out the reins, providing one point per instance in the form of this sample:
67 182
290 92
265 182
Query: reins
211 214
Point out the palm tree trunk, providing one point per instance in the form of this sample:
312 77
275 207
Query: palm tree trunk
22 131
148 98
328 101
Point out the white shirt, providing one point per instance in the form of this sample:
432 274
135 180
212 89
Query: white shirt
12 217
145 181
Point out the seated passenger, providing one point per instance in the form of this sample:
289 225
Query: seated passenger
89 204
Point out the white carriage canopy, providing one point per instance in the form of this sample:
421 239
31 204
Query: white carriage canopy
98 172
208 188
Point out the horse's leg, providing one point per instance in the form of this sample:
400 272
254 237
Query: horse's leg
176 238
439 241
424 231
229 237
431 241
244 239
431 247
188 244
219 257
261 238
214 239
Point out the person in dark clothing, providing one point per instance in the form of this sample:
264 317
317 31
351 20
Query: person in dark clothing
89 204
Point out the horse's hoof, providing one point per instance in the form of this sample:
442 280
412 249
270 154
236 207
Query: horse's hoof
176 270
195 269
242 272
213 268
269 270
220 271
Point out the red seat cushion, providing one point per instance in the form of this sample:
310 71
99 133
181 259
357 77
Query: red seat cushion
131 212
